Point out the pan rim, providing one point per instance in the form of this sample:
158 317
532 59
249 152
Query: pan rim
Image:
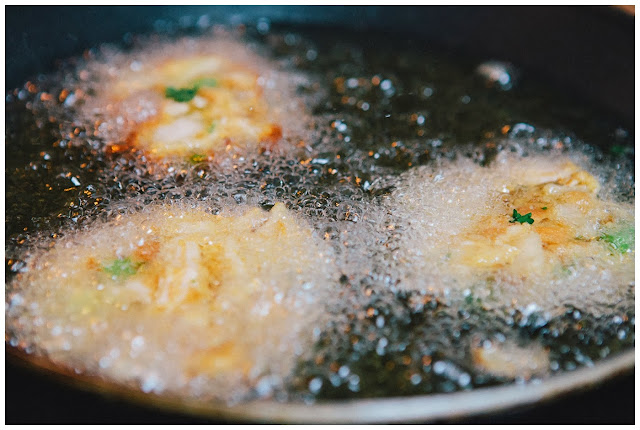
394 409
421 408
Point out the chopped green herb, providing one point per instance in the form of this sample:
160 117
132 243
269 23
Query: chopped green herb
544 208
187 94
521 218
621 241
563 271
197 158
122 268
474 304
205 82
181 95
618 149
211 127
470 299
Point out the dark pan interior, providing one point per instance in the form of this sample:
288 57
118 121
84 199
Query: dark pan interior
587 51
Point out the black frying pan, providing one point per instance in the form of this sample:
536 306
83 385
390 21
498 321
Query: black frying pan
588 52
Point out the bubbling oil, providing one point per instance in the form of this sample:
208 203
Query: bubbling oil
366 130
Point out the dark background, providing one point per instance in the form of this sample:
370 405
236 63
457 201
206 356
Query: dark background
587 51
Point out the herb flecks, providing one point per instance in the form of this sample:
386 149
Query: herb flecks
618 149
621 241
122 268
186 94
205 82
181 95
521 218
197 158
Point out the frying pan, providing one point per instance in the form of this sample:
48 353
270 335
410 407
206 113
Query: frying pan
588 52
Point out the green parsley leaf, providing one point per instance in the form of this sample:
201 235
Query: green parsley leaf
474 305
122 268
187 94
521 218
205 82
181 95
470 300
621 241
197 158
211 127
544 208
618 149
